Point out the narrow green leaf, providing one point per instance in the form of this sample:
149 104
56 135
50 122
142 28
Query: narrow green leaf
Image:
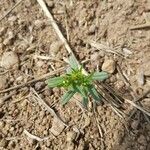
96 96
85 102
67 96
55 82
100 76
68 70
73 62
80 90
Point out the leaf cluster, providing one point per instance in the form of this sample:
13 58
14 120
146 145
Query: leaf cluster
75 81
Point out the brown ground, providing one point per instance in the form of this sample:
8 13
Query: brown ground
27 32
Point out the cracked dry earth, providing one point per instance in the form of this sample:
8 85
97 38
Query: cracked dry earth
30 48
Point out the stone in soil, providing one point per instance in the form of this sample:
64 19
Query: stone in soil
9 60
109 65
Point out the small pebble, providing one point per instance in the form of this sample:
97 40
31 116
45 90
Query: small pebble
9 60
109 65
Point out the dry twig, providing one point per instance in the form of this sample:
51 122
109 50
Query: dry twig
47 58
103 47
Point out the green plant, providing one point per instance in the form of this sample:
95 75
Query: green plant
75 81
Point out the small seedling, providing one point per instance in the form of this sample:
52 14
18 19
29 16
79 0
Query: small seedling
75 81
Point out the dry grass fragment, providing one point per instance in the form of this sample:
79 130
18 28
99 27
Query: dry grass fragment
103 47
143 26
34 137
